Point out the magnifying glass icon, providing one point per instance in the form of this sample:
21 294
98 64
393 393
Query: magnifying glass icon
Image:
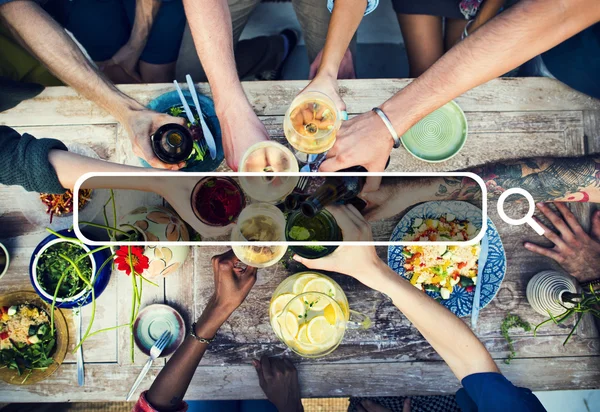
528 217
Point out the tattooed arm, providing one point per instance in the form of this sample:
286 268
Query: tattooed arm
574 179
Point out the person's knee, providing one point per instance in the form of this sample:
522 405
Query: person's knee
157 73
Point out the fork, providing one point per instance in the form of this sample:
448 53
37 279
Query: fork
301 185
155 352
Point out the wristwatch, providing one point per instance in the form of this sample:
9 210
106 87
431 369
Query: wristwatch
198 338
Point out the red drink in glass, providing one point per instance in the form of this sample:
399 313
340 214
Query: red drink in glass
217 201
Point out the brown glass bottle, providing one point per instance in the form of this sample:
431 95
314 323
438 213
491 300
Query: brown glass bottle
172 143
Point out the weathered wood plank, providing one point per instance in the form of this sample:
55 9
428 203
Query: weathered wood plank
62 105
319 379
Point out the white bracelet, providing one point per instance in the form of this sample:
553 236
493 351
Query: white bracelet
389 126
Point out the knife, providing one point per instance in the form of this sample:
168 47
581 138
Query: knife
80 371
210 140
186 106
483 254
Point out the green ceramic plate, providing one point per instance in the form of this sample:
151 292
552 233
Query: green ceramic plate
438 136
152 321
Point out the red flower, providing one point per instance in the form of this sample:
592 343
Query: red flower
138 260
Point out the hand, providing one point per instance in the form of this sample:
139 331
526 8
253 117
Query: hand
278 379
327 85
240 128
127 57
345 71
140 124
233 280
361 141
360 262
575 251
370 406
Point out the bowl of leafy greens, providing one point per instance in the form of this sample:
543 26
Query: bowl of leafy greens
63 270
33 342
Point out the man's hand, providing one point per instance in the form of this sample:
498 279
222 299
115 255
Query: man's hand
576 251
360 262
240 128
361 141
140 125
278 378
233 280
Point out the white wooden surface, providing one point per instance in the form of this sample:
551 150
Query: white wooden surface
508 118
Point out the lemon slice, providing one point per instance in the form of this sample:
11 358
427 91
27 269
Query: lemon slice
330 314
280 302
320 331
303 335
301 282
289 330
320 285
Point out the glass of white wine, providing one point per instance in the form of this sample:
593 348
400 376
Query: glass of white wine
311 124
265 158
259 222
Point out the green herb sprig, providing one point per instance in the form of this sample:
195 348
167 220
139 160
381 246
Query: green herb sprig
509 322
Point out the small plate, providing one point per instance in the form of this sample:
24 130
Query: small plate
152 321
62 338
460 302
164 102
439 135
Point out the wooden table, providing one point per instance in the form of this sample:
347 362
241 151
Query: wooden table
508 118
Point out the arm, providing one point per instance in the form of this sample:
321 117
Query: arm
508 40
129 54
573 179
50 44
345 18
232 285
210 25
455 342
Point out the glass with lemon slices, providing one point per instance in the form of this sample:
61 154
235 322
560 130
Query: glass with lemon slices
309 313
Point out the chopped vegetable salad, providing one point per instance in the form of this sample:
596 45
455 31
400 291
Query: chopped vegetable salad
439 268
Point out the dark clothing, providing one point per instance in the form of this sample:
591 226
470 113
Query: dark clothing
24 162
104 26
481 392
12 92
576 61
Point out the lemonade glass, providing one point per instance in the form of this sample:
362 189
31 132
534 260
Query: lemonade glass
309 313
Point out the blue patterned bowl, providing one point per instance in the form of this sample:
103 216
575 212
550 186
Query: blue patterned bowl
100 279
166 101
460 302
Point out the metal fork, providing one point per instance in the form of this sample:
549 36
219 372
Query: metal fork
155 352
301 185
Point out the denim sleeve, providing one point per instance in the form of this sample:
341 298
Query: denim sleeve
371 5
492 392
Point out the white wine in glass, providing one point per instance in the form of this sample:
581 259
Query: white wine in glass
311 123
259 222
265 158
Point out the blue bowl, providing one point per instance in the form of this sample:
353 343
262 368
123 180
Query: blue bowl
168 100
100 281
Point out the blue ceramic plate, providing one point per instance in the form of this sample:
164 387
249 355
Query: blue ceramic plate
168 100
461 301
150 324
101 280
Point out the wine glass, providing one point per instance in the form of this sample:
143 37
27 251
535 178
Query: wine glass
310 126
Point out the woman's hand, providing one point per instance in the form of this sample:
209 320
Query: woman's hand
233 281
576 251
360 262
327 85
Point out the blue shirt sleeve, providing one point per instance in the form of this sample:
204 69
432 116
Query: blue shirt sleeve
491 392
371 5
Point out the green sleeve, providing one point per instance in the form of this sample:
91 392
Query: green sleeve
24 162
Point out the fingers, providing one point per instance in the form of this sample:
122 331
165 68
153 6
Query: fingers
353 224
543 251
551 235
259 371
372 184
371 406
556 221
596 225
570 219
265 367
309 263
